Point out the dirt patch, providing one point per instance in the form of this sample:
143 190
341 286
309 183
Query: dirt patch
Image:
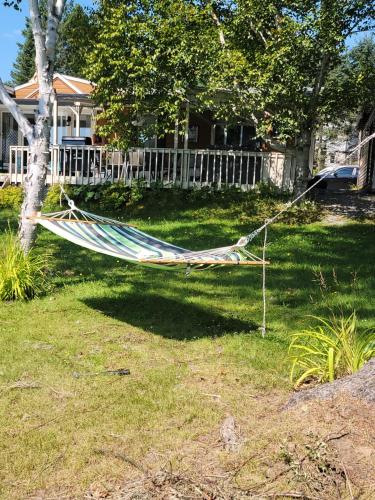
319 450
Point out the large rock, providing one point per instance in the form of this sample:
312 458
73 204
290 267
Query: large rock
360 385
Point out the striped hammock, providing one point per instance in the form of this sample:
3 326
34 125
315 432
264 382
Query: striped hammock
124 241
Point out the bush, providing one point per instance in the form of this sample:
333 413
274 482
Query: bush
22 276
329 351
11 197
52 200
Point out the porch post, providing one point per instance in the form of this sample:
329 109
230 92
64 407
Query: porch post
212 137
55 140
77 113
186 134
175 136
186 158
175 152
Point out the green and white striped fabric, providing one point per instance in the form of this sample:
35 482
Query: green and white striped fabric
123 241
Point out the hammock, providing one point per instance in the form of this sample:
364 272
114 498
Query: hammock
124 241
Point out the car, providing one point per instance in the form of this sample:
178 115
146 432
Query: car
336 178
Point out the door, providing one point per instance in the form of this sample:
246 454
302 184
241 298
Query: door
9 137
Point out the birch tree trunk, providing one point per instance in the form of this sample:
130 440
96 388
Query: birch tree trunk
38 135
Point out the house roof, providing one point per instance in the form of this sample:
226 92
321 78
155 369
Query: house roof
9 89
63 84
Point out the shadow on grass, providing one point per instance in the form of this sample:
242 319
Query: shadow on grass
167 317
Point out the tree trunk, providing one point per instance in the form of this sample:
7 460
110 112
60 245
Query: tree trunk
39 139
303 161
34 188
360 385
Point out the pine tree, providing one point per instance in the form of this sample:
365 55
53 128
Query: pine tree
24 66
75 38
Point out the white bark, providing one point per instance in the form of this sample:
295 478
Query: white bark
16 112
218 24
38 136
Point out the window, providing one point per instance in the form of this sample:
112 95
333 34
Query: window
193 133
84 125
344 172
332 158
234 136
219 135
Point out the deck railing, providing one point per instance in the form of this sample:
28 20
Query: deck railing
166 167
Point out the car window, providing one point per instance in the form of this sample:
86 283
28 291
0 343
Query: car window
344 172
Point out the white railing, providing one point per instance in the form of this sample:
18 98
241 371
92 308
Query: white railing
167 167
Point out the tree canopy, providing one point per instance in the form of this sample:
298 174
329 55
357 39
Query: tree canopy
263 60
75 39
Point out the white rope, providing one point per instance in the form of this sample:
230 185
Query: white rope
359 146
263 327
246 239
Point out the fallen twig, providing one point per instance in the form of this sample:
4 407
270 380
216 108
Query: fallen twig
122 456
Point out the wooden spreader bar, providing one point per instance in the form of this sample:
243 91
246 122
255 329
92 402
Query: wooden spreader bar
80 221
206 262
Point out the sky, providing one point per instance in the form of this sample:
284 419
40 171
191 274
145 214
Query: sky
11 24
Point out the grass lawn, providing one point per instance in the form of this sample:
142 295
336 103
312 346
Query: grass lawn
192 345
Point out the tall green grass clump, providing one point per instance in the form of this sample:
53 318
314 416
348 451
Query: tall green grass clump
331 350
22 276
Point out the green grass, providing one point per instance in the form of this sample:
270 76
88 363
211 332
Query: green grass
183 339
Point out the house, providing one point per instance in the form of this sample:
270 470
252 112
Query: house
73 114
334 143
205 152
366 127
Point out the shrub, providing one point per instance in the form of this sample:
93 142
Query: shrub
22 276
114 196
52 200
329 351
11 197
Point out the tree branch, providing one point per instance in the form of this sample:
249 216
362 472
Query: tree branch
39 40
15 111
218 24
55 12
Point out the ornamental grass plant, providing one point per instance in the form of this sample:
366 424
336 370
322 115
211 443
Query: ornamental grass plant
331 350
22 276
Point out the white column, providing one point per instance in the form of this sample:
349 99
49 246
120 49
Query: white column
186 134
175 146
175 137
77 114
55 138
212 139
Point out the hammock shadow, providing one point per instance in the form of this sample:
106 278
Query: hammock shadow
168 317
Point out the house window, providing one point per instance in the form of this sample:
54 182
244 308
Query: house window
220 135
193 133
84 125
248 136
234 135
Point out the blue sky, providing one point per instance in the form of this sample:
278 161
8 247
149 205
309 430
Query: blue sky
11 24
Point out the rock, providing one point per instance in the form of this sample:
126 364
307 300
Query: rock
359 385
230 435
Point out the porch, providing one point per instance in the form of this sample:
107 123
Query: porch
186 168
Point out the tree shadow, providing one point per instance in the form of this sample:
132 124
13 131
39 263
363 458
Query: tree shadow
168 317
